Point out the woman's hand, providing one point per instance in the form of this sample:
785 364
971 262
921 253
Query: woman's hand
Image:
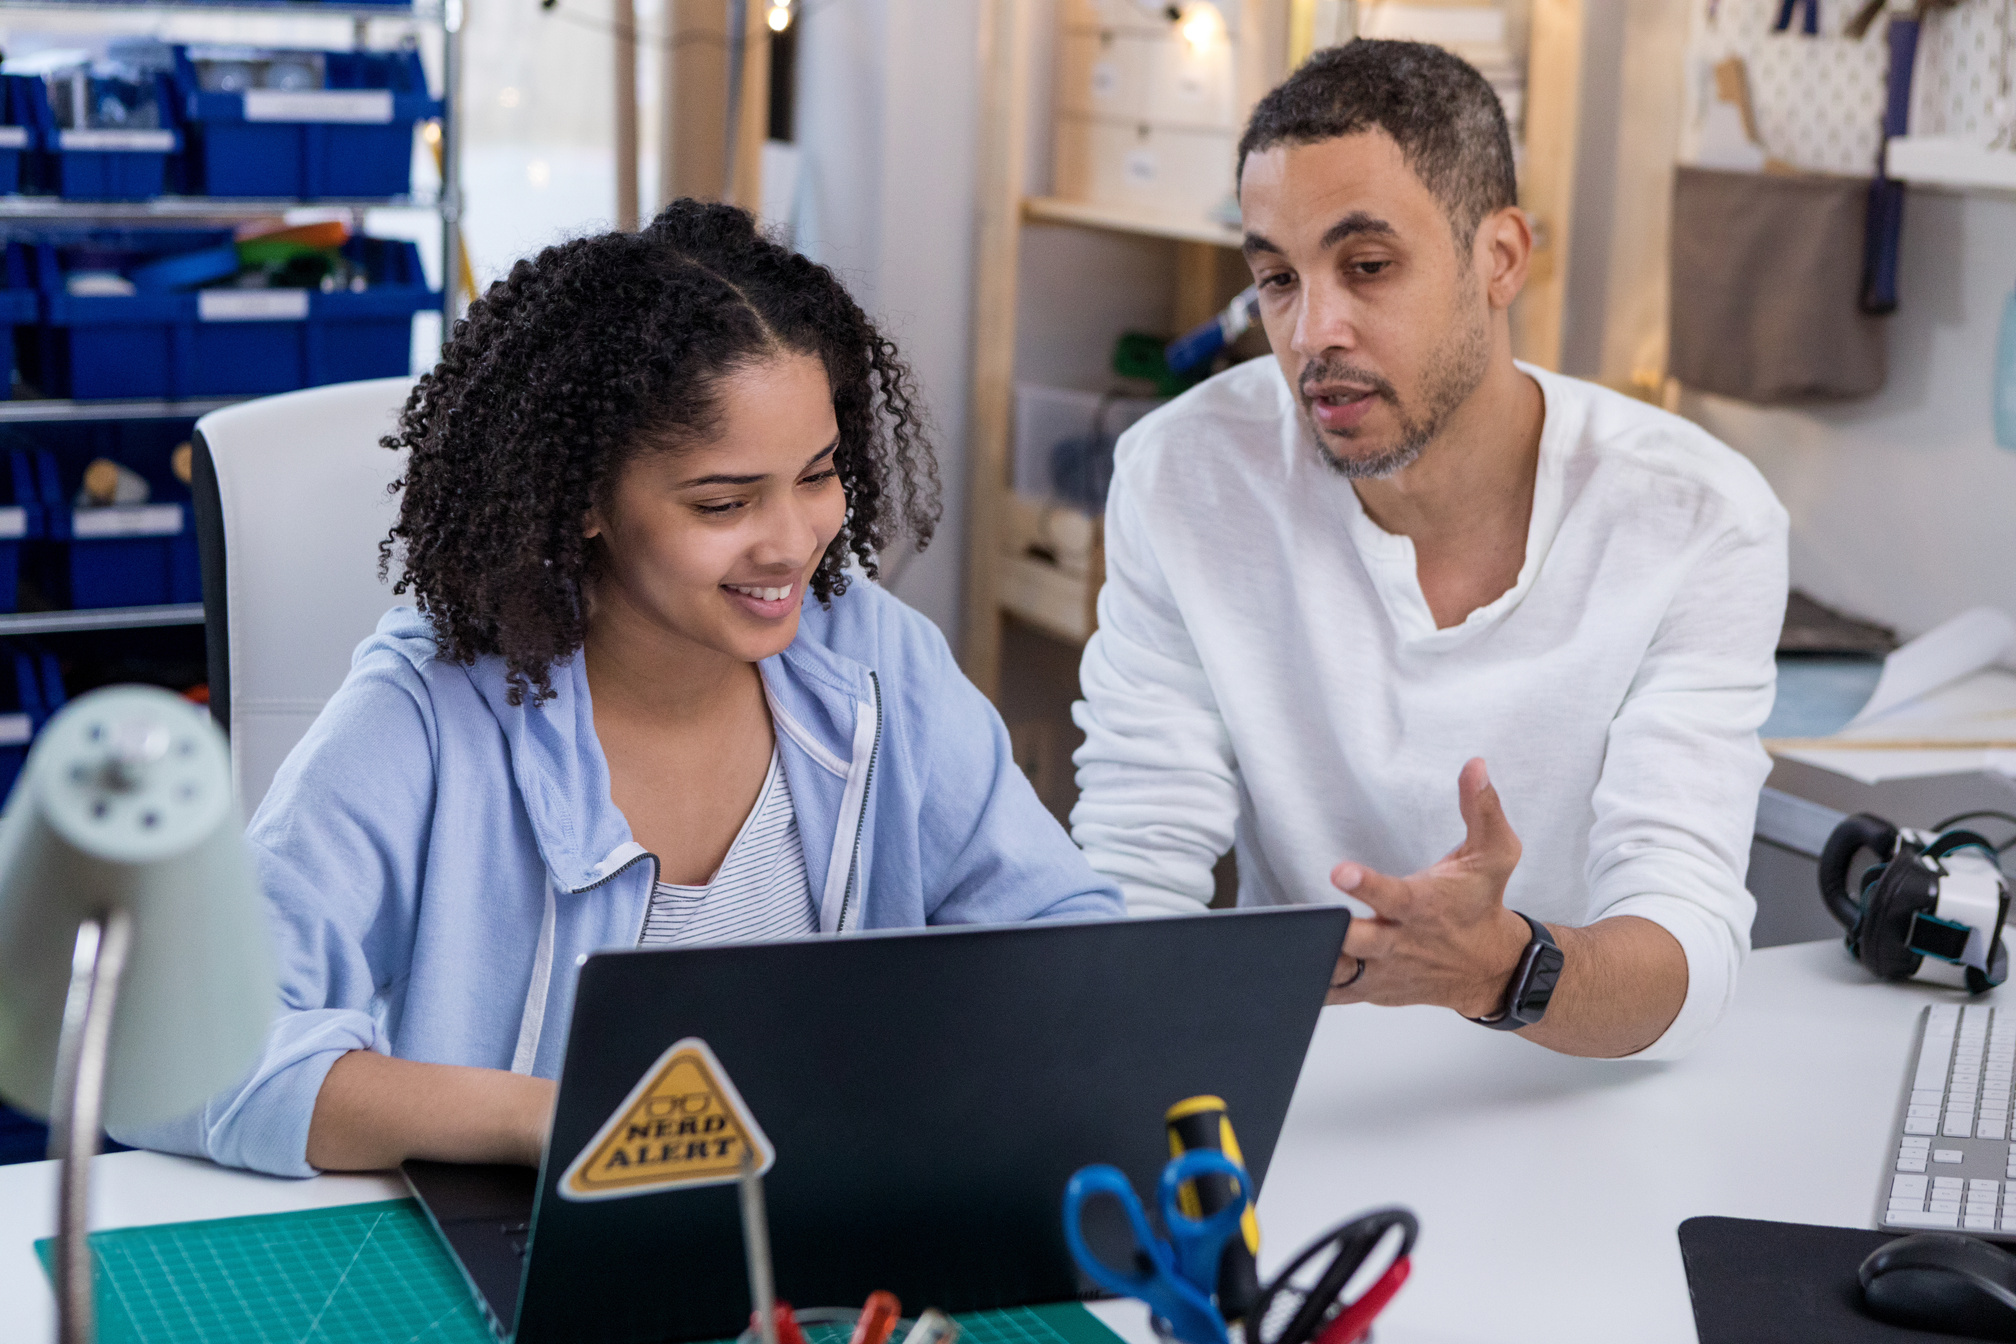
374 1112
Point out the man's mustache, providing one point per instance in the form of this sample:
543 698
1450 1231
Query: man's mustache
1318 375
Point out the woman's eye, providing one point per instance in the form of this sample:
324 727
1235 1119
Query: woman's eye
820 478
1280 280
715 510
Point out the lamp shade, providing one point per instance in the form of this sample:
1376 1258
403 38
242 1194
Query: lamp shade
125 802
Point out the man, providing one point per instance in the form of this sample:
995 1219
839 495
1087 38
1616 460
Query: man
1341 581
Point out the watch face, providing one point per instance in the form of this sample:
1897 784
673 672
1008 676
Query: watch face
1538 989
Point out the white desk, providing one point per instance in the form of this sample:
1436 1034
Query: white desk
1549 1188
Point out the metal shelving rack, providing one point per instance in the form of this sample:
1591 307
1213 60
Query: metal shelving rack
446 203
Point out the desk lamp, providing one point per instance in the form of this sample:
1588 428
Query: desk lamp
123 876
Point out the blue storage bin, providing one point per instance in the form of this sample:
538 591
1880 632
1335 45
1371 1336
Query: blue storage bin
110 346
351 138
19 307
105 163
120 555
24 708
21 521
224 341
20 98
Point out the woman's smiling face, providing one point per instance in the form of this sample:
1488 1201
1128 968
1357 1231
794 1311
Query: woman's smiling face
714 541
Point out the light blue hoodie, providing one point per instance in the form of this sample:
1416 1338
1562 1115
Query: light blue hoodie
436 859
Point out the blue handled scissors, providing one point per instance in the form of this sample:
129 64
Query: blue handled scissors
1178 1275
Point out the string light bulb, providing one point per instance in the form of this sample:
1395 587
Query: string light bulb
779 17
1201 24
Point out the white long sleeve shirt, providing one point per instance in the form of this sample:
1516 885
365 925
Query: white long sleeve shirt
1266 670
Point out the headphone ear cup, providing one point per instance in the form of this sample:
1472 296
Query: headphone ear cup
1901 890
1855 834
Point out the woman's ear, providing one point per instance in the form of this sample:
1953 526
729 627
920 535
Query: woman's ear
591 524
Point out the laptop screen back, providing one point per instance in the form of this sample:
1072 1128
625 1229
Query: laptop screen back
927 1094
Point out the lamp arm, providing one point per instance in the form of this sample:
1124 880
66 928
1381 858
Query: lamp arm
77 1109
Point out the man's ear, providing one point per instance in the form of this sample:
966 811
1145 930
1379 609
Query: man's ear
1503 254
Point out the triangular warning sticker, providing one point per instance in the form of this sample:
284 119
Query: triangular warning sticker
684 1124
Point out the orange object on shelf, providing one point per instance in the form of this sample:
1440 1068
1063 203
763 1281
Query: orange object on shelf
328 233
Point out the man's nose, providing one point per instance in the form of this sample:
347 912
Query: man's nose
1325 319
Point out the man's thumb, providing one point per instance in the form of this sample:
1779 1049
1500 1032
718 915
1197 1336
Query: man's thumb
1487 833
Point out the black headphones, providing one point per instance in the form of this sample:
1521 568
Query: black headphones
1892 923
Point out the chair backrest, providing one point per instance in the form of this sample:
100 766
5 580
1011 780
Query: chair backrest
291 503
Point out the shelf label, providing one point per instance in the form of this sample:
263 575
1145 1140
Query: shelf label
252 305
13 137
144 142
15 729
13 523
355 106
127 520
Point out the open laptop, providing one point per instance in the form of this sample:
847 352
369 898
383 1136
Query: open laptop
921 1098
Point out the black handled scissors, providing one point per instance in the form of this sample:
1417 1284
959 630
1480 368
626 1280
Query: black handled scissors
1288 1313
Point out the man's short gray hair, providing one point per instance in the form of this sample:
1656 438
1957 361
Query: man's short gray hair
1445 118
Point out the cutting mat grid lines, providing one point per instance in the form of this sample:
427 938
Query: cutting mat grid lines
360 1274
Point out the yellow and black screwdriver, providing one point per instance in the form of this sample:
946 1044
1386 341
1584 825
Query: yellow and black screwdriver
1202 1122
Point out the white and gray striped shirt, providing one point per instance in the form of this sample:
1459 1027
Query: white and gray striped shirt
759 893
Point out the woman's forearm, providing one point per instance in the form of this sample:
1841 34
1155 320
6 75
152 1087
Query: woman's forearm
375 1111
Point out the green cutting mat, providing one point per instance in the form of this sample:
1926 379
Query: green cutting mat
361 1274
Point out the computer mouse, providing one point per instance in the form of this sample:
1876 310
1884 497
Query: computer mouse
1944 1282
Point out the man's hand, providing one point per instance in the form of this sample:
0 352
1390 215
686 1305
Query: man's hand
1442 936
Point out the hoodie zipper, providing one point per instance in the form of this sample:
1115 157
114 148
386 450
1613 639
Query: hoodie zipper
867 784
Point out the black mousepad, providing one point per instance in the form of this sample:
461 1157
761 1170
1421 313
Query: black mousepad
1755 1282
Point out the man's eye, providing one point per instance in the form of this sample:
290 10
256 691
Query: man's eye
1278 281
1370 267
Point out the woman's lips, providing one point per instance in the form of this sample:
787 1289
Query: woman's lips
766 601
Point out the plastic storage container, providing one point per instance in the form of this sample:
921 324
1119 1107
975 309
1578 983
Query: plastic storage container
97 161
121 555
221 341
136 554
19 307
20 98
301 124
20 712
21 521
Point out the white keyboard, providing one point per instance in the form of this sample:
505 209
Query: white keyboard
1955 1167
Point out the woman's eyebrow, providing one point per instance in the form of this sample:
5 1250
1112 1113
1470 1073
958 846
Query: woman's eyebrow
719 479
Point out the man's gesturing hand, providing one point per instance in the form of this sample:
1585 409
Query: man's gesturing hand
1442 936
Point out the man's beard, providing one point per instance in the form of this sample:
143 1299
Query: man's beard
1453 373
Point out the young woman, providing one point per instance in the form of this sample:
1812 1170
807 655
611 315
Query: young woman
642 700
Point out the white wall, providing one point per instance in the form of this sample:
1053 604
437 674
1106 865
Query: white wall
538 125
1903 508
887 127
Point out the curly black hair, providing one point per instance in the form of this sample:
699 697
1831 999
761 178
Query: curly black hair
590 353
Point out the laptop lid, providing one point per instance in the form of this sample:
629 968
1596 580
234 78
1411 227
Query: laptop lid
926 1093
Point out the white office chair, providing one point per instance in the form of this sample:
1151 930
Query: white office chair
291 503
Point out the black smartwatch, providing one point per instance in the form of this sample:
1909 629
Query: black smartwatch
1532 983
